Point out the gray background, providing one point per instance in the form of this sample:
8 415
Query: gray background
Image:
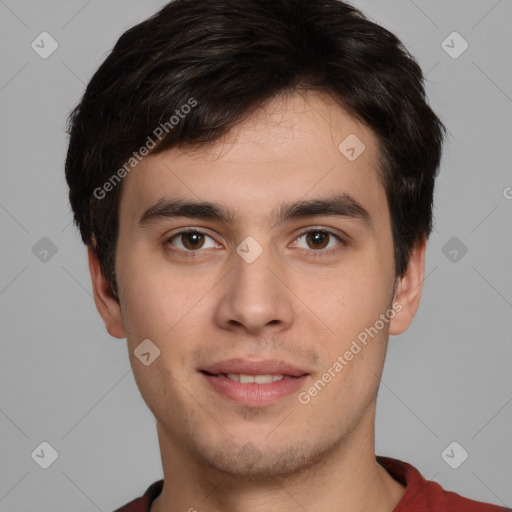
65 381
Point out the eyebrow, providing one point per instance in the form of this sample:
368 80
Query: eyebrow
341 205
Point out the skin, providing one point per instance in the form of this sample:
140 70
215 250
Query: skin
287 305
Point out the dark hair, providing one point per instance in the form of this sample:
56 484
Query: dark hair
231 57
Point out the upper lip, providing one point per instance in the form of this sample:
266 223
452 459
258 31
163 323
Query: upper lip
247 367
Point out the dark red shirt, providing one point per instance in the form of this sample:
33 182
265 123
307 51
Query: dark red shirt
420 495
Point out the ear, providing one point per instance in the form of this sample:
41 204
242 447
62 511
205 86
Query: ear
408 290
106 302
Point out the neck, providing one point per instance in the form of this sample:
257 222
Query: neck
346 478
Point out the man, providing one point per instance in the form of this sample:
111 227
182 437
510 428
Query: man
254 182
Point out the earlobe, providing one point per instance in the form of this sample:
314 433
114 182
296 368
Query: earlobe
106 303
408 290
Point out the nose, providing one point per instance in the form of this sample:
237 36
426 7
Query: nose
255 296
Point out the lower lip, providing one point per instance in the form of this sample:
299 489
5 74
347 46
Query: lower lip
252 393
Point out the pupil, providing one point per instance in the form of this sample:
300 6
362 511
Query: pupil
192 239
318 237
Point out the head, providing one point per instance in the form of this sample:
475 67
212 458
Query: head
247 105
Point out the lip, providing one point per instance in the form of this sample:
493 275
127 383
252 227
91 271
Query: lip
245 366
252 394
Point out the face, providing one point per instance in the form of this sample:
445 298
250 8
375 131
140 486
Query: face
301 289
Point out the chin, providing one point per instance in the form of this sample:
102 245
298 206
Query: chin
260 461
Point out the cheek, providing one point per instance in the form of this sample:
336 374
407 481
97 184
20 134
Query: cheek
354 347
351 294
162 391
164 304
151 300
351 306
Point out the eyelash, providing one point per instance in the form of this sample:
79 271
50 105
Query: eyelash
315 253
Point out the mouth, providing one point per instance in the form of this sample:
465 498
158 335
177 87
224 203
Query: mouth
245 378
254 383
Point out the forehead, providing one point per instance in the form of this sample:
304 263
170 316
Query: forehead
300 146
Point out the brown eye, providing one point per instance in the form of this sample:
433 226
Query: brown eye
317 239
192 240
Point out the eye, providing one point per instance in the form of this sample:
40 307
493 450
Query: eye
190 240
320 239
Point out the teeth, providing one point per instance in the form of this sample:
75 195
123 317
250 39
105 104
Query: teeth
258 379
263 379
